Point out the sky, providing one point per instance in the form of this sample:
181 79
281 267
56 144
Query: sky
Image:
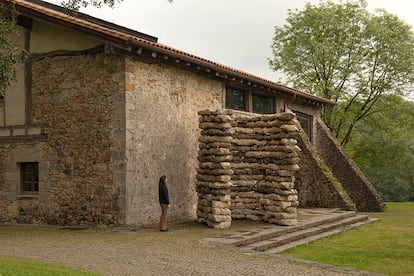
236 33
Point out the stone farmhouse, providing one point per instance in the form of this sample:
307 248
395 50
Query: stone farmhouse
99 112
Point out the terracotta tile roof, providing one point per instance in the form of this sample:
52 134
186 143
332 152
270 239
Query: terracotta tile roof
134 40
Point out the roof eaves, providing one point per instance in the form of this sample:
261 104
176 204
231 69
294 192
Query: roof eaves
58 10
226 70
70 21
131 42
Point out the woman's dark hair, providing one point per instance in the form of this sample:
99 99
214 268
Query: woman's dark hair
162 180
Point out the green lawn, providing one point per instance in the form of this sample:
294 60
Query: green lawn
385 246
23 268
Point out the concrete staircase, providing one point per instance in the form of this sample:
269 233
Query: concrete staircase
313 224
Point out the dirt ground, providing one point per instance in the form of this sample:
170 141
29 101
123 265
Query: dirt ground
147 251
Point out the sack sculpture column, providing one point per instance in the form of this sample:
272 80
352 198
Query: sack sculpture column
214 172
265 159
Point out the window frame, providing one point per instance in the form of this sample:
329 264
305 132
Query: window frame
272 98
34 178
248 100
309 118
245 98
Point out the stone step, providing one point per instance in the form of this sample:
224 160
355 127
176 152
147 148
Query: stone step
280 249
313 224
246 238
333 226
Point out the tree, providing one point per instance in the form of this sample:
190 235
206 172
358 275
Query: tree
345 54
383 149
77 4
9 54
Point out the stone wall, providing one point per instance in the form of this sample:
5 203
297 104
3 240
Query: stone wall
317 186
15 207
162 131
247 166
78 101
5 189
359 189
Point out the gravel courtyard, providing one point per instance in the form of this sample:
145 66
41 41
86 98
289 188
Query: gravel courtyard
146 251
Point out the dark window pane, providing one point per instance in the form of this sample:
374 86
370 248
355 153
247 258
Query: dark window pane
27 186
306 123
29 177
263 104
235 99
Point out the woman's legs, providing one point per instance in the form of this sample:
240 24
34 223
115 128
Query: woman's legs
163 218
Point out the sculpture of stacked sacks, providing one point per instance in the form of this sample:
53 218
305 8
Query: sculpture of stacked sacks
246 168
214 172
265 159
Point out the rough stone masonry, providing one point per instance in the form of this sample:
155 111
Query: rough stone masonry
247 165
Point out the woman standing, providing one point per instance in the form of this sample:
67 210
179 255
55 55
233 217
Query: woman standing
164 202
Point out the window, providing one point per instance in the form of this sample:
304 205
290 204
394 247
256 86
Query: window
235 99
306 123
29 177
263 104
247 101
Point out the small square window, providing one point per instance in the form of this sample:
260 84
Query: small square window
263 104
235 99
29 177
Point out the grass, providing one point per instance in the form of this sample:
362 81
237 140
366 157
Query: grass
24 267
386 246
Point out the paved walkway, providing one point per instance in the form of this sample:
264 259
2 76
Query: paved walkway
146 251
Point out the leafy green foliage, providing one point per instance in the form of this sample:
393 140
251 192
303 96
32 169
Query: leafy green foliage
9 55
77 4
382 147
343 53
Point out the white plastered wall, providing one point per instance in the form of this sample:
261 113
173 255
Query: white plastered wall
47 38
12 111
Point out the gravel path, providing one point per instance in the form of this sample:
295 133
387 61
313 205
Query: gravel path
146 251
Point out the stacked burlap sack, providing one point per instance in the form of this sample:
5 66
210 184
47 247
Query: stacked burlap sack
247 165
265 159
214 172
